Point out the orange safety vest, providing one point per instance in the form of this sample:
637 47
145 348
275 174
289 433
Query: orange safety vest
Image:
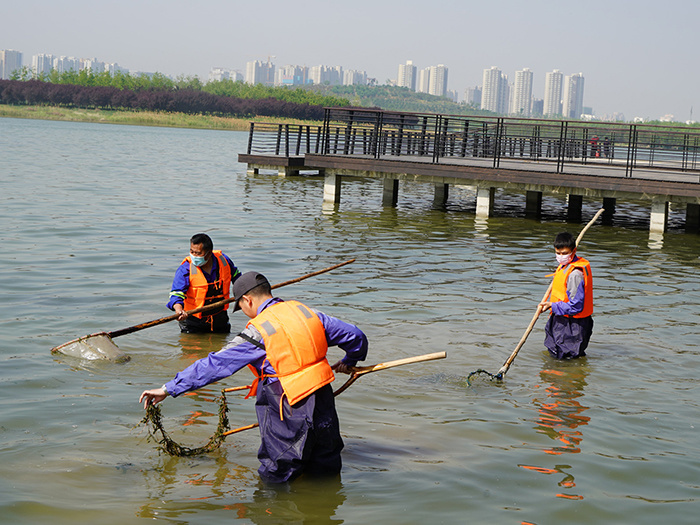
561 277
296 347
196 295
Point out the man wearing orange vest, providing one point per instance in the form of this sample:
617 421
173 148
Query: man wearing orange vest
285 345
570 324
204 277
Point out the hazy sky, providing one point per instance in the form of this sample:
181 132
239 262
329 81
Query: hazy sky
638 57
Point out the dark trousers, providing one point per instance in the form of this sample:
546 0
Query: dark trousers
567 337
217 323
306 440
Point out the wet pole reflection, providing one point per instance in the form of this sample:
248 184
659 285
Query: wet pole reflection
561 418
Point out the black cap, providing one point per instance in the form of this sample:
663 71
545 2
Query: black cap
244 284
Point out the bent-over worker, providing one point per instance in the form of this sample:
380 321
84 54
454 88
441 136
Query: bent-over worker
285 344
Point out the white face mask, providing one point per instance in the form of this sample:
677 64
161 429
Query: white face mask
198 261
565 259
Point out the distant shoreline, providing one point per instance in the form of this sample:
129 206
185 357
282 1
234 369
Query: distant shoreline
137 118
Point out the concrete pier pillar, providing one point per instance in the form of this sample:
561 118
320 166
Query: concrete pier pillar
441 193
533 204
284 171
609 206
252 170
331 188
692 217
390 193
484 201
659 216
575 205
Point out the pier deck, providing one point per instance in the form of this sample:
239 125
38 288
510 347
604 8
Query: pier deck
580 160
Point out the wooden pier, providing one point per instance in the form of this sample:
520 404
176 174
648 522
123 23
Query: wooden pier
597 161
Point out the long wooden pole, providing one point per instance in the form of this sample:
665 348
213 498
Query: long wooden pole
356 373
219 304
509 361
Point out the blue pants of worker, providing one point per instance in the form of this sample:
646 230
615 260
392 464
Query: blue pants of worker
306 439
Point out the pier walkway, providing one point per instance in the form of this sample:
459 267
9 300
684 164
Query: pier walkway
581 160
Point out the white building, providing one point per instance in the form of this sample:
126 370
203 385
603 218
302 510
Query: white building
552 93
423 80
10 61
407 75
522 93
352 77
257 72
220 73
93 65
472 96
42 64
573 96
437 85
63 64
332 76
292 76
495 93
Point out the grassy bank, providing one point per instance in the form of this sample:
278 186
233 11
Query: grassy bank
137 118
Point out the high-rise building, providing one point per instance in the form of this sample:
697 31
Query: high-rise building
257 72
552 93
220 73
407 75
352 77
42 64
573 96
64 64
332 76
291 75
495 92
437 85
522 93
472 96
10 61
423 80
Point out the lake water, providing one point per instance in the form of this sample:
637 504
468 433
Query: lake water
95 219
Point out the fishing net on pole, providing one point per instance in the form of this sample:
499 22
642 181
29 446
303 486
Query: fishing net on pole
491 376
154 423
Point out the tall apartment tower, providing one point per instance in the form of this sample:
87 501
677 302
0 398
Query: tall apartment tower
552 93
438 81
42 64
522 93
407 75
257 72
10 61
423 80
495 92
573 96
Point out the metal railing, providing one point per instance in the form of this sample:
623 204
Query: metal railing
553 144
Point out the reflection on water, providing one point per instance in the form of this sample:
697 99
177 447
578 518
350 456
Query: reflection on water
560 417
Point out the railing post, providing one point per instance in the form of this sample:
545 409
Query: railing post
250 138
631 150
286 140
436 139
560 149
376 139
497 146
325 136
279 139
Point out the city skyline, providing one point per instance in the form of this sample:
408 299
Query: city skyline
636 57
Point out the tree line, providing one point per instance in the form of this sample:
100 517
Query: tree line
160 82
37 92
